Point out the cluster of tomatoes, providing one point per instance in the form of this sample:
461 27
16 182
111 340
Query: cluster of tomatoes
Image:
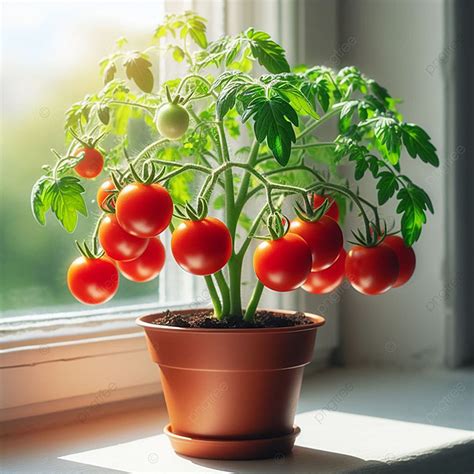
311 255
129 237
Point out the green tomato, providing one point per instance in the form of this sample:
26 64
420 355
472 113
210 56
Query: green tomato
172 121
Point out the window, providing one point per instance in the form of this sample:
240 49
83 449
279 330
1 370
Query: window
50 60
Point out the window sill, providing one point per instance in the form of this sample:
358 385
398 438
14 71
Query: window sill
351 420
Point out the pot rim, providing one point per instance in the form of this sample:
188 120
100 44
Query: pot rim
318 322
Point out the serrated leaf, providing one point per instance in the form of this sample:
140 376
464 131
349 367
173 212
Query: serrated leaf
199 37
345 117
412 206
388 139
295 97
40 201
386 186
360 169
138 68
269 54
417 142
103 112
109 73
178 54
65 195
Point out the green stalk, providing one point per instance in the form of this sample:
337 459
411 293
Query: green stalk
214 296
224 289
254 299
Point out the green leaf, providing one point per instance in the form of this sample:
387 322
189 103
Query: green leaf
294 96
103 112
380 92
178 54
269 54
388 138
40 201
199 37
323 92
417 142
65 195
386 186
361 168
109 73
138 68
274 119
345 117
413 202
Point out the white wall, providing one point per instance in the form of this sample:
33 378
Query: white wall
399 43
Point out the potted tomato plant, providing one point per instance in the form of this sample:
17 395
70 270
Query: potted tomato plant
231 374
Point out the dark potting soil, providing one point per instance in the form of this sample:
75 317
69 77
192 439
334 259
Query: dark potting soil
206 320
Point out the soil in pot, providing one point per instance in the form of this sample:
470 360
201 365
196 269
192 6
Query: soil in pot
205 320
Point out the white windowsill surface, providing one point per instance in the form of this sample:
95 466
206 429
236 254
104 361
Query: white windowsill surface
352 420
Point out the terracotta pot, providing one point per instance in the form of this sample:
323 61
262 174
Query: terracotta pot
231 387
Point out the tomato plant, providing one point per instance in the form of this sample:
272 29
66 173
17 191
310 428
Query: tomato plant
144 210
324 237
104 193
327 280
283 264
148 265
372 270
201 247
117 243
333 210
406 258
92 280
192 163
172 121
90 164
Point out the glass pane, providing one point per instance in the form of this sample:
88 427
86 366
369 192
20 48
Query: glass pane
50 54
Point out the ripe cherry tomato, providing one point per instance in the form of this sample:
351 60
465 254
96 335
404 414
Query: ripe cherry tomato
91 164
144 210
324 238
93 280
333 210
372 270
117 243
172 121
104 192
406 258
283 264
326 280
148 265
202 247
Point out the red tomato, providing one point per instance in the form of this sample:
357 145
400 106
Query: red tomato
333 210
144 210
406 258
148 265
372 270
91 164
324 238
104 192
92 280
202 247
283 264
117 243
327 280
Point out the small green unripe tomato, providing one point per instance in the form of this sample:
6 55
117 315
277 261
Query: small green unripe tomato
172 121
